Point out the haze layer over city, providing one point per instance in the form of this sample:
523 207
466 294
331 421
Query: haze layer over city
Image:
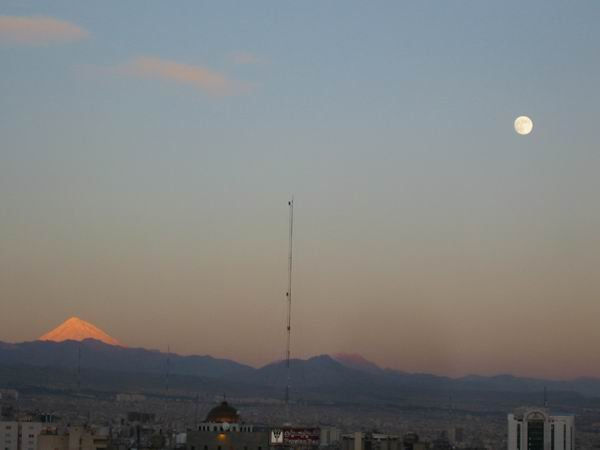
149 151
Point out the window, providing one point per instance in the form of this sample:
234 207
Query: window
552 437
535 435
518 436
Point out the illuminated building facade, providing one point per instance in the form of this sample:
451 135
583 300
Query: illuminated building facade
536 429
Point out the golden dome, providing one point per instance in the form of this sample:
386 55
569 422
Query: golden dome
223 413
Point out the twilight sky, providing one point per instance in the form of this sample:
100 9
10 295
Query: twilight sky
148 150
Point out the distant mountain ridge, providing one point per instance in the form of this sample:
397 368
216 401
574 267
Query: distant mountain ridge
94 354
339 378
38 364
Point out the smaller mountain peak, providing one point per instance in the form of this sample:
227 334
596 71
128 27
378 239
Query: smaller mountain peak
356 361
76 329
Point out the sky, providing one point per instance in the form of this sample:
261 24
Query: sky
149 149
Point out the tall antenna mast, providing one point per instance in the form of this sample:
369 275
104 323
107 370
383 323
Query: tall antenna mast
289 305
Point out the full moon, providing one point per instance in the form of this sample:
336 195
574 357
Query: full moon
523 125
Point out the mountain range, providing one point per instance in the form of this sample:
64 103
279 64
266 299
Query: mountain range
55 361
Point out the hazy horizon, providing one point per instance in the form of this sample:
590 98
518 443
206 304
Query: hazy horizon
149 151
257 364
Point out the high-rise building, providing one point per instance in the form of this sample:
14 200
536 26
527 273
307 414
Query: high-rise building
9 435
455 435
16 435
536 429
330 436
30 432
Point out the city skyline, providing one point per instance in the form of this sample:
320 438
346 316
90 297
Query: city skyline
149 152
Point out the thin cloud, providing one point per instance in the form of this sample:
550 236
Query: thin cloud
197 76
38 30
245 58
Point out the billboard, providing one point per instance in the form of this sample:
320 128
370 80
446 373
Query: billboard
296 436
277 436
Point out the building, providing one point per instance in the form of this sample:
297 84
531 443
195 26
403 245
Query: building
72 438
410 441
140 417
370 441
536 429
441 443
223 429
9 394
330 436
9 435
7 413
455 435
19 435
29 434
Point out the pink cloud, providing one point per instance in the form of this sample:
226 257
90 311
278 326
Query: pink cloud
38 30
196 76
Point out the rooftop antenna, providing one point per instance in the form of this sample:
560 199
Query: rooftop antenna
79 367
196 412
545 398
168 369
289 307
